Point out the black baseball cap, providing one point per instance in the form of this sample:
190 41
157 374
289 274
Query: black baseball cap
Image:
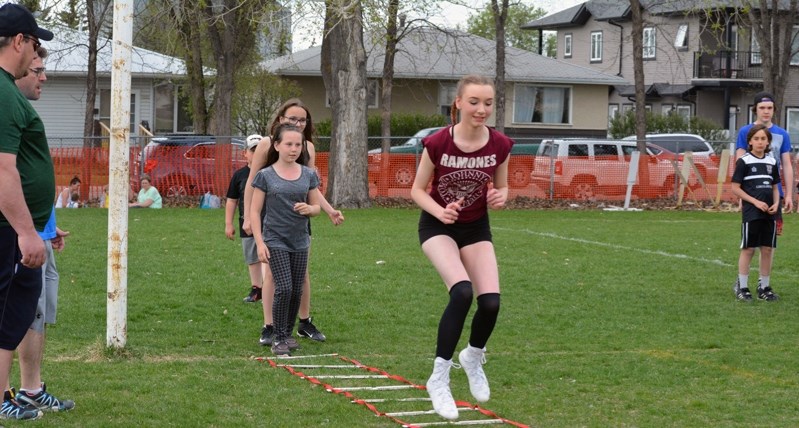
15 19
763 96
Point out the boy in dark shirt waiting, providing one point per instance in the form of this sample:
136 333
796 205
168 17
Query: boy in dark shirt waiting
755 181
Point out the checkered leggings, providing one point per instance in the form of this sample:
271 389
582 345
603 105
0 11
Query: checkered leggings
288 270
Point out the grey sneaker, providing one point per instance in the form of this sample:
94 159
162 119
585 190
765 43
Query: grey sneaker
438 388
307 329
44 401
280 347
292 343
11 409
472 360
267 335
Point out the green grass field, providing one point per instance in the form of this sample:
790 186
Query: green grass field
622 319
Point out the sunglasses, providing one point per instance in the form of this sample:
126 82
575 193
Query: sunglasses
36 43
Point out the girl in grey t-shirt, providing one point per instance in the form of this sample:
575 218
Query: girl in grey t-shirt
289 193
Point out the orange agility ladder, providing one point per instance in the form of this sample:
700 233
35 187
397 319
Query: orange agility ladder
409 402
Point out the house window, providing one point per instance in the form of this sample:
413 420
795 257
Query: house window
666 109
650 45
732 125
626 108
793 123
596 46
542 104
171 110
795 46
684 111
754 56
567 46
734 41
446 95
105 109
613 112
681 40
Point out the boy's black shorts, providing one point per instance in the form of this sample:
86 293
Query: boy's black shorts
759 233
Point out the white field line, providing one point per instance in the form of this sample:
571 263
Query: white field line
351 377
425 412
374 388
716 262
386 400
473 422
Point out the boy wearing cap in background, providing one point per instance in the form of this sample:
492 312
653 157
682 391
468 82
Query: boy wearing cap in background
763 109
235 196
27 174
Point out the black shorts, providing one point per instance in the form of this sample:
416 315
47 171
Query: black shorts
462 233
759 233
20 288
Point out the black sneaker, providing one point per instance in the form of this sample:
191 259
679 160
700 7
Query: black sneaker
767 294
254 296
11 409
742 294
267 335
44 401
307 329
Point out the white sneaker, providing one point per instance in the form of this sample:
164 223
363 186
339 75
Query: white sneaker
438 388
472 360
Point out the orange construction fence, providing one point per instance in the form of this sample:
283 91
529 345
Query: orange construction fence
192 173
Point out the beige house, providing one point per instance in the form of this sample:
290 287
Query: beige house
688 68
544 96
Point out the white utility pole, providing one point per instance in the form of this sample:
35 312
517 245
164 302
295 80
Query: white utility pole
119 173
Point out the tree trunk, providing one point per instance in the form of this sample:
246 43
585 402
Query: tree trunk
385 96
773 29
500 18
344 74
640 93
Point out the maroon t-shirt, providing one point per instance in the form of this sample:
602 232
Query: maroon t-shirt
459 174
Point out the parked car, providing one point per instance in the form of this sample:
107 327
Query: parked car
411 145
583 168
680 143
180 165
704 156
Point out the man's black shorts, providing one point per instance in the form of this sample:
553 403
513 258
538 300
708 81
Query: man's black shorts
20 288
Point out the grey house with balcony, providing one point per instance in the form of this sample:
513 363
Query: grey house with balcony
689 69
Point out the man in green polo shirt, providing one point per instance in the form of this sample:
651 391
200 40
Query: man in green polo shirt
26 198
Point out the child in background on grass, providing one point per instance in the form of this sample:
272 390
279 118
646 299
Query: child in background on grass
235 198
74 200
755 181
282 189
468 163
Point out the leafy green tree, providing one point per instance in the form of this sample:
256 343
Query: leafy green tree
482 24
71 14
258 96
623 125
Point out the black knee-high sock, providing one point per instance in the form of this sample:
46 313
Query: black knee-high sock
484 319
451 324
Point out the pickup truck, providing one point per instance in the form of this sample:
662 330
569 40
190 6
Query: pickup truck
405 158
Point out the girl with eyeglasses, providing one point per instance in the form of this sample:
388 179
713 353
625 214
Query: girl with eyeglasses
292 112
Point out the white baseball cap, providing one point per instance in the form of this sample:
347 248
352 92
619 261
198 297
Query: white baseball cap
253 140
